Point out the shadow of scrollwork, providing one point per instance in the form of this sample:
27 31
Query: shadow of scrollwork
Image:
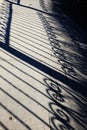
59 125
42 4
73 64
67 105
64 114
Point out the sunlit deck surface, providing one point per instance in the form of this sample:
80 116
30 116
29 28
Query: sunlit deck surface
43 68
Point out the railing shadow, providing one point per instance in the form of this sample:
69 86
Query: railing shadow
69 60
54 91
64 114
12 114
14 1
3 126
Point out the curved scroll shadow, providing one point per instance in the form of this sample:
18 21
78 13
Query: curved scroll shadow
72 64
65 114
54 89
60 124
66 80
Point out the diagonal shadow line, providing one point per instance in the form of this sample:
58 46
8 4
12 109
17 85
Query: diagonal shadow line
18 60
74 94
49 71
75 115
27 16
26 108
66 89
19 69
25 53
39 30
45 41
39 44
38 10
28 39
28 29
33 33
29 85
12 48
15 117
23 70
33 50
11 1
26 95
29 21
76 86
5 128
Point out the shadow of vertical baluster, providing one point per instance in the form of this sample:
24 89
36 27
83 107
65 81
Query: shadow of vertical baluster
8 25
18 2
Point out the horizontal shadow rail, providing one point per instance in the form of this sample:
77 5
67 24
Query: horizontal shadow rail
47 70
